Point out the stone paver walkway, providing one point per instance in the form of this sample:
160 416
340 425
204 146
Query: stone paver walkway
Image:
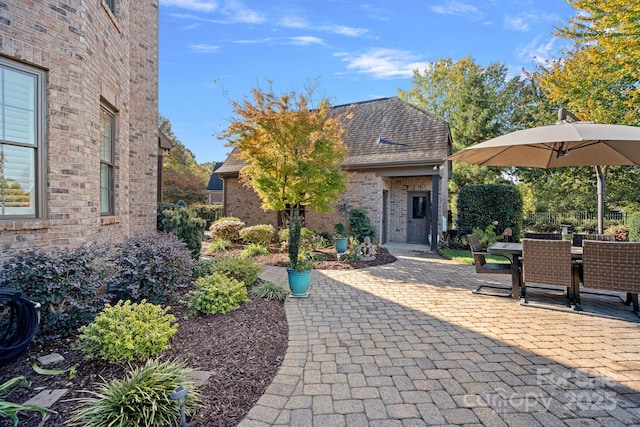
408 344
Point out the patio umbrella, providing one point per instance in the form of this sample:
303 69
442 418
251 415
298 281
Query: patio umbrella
566 143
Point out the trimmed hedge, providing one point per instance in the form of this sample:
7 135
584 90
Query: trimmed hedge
634 227
481 205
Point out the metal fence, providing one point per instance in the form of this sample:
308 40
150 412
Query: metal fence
577 218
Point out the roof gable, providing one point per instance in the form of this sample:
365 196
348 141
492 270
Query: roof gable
390 130
215 182
384 132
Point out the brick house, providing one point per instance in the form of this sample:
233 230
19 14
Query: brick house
396 170
79 140
215 186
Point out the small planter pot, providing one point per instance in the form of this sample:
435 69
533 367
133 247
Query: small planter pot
341 245
299 282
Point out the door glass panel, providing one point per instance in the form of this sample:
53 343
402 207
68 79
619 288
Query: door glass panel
419 208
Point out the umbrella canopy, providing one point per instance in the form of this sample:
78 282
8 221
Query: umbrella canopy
559 145
564 144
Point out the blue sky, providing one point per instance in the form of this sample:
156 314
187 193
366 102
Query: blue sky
214 51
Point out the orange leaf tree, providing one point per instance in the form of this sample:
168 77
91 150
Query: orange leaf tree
292 152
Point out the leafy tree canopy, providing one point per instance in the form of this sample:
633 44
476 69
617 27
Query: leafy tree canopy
183 178
292 151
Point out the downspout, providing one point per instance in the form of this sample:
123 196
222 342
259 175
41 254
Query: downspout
435 196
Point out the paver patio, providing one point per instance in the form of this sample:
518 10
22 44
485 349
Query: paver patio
408 344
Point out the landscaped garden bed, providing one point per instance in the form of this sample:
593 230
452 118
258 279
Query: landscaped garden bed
240 350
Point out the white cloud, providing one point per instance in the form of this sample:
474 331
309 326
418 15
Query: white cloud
231 12
524 20
454 7
196 5
296 22
537 51
306 40
298 40
516 23
344 31
204 48
383 63
293 22
239 13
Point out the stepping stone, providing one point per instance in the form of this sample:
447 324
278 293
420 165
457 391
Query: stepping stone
50 359
47 398
199 377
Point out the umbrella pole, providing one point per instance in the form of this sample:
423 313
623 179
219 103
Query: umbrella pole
600 191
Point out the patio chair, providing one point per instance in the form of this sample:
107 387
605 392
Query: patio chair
543 236
578 238
484 267
547 262
612 266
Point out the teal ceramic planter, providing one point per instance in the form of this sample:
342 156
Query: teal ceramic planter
299 282
341 244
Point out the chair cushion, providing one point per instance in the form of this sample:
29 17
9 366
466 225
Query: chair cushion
496 268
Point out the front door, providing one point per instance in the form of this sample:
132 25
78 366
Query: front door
419 206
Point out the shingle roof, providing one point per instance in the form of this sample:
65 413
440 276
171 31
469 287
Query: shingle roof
383 133
215 182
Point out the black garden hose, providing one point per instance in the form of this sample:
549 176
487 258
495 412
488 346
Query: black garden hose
19 320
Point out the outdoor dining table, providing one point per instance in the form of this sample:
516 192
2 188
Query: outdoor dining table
515 249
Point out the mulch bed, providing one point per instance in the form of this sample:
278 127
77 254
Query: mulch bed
243 349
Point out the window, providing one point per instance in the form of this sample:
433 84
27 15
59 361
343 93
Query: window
110 4
22 149
107 128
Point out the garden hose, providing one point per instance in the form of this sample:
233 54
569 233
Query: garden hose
19 319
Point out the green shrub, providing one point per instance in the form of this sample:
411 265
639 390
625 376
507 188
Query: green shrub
360 224
217 293
227 229
488 236
620 231
69 284
634 227
202 267
270 290
189 228
311 240
128 331
481 205
254 249
261 234
209 213
152 267
160 212
236 267
141 399
283 235
218 245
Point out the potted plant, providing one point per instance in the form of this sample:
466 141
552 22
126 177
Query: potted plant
300 263
341 238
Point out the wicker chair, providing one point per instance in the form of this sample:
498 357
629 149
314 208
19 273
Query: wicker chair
543 236
484 267
578 238
612 266
547 262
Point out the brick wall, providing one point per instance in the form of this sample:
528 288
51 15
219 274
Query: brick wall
91 56
364 190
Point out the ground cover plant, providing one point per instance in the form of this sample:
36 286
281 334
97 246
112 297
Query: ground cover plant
242 349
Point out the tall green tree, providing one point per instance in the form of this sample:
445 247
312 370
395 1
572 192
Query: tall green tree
183 178
293 150
476 101
598 79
